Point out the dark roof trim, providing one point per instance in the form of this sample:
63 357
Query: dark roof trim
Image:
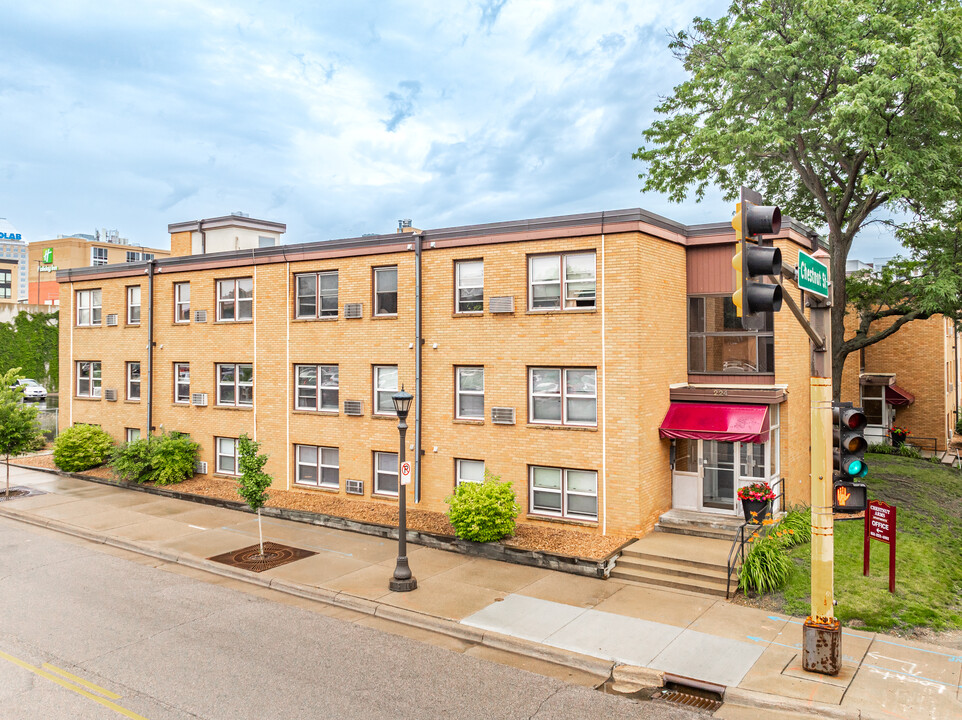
227 221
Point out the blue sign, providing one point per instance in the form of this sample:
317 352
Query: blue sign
9 236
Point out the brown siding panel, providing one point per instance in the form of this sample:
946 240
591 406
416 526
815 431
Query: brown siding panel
710 269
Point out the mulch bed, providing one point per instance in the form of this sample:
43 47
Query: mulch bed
528 536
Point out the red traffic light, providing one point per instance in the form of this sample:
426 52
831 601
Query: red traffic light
762 220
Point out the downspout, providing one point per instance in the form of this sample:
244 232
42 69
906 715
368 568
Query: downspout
203 237
418 342
150 346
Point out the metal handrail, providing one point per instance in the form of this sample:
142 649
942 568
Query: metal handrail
737 551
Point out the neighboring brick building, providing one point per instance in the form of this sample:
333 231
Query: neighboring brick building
554 352
909 379
9 277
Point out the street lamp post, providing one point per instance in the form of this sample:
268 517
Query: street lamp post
403 580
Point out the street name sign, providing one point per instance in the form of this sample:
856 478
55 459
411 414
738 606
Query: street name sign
880 525
812 275
405 473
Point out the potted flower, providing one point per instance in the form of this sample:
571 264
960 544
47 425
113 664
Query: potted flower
898 435
756 501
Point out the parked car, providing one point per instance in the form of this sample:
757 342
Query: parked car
32 390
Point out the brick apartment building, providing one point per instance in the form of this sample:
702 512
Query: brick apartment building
593 360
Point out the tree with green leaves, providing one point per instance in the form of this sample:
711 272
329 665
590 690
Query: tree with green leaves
19 428
839 112
253 482
30 342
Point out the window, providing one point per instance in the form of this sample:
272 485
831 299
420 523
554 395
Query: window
133 434
469 286
227 456
235 385
316 294
98 256
133 256
563 396
88 379
385 291
470 392
717 343
468 471
182 382
317 466
385 385
561 282
564 493
316 387
385 473
182 302
6 284
874 406
266 241
133 305
88 307
235 299
133 381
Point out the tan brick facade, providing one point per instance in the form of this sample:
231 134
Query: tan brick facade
635 339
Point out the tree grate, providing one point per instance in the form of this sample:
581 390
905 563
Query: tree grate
697 702
249 558
19 492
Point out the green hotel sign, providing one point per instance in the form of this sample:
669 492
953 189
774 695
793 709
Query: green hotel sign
812 275
47 255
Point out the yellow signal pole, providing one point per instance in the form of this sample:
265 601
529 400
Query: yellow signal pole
738 259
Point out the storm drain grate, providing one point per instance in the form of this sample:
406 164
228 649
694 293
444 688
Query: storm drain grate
249 558
19 492
697 702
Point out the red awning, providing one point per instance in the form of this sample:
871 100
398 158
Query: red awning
894 395
711 421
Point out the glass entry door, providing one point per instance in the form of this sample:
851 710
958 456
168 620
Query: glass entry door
718 479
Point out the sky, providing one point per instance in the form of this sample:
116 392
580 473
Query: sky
335 118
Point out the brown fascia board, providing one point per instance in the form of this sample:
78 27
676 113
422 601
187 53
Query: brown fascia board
580 225
227 221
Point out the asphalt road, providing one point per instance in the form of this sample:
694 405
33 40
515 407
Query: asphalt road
92 632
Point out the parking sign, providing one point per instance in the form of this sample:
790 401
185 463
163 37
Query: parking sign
405 473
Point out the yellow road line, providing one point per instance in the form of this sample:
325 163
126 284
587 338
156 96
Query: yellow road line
63 683
80 681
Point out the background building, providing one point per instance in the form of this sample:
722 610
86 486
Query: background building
9 276
13 247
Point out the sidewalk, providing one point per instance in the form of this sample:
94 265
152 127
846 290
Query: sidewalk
593 626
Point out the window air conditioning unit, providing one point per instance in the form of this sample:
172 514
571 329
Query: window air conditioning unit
354 487
198 399
353 407
200 316
112 320
200 467
504 304
352 311
110 394
502 416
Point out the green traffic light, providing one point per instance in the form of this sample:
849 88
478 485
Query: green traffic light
856 467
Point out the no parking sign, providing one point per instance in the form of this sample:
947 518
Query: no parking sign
405 473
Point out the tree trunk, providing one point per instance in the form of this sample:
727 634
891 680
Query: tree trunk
259 531
8 476
838 257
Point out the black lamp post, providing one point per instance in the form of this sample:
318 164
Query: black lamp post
403 580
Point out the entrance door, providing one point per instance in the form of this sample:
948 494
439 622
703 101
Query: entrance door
718 479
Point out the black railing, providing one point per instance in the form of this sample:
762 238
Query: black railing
736 555
929 444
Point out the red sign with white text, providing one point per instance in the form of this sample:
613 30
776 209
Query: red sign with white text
880 525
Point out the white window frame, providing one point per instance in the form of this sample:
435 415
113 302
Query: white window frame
95 260
320 385
378 271
563 395
236 303
132 434
886 408
218 455
178 384
236 384
89 302
564 491
181 306
378 472
378 391
459 286
321 463
319 295
133 293
131 383
459 471
459 391
564 301
133 256
93 376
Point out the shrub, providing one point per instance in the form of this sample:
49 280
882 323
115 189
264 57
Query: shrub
797 526
881 449
767 565
910 452
131 461
164 460
81 447
483 512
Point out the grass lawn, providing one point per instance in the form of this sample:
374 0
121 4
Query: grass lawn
928 565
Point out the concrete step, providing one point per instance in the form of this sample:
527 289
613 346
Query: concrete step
701 524
694 531
667 567
699 552
702 586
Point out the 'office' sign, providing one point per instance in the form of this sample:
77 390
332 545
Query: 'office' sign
880 525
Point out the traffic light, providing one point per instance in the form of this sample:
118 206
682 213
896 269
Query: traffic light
752 260
849 442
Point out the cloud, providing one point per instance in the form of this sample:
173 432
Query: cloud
489 13
402 103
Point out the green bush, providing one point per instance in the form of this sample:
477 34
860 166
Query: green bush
164 460
881 449
82 447
796 526
483 512
767 565
909 451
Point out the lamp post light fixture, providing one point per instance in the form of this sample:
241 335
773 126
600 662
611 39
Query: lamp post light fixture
403 580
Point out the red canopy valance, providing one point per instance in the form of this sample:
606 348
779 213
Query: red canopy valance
894 395
715 421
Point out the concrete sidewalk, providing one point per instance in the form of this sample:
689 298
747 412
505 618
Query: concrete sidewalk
592 626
